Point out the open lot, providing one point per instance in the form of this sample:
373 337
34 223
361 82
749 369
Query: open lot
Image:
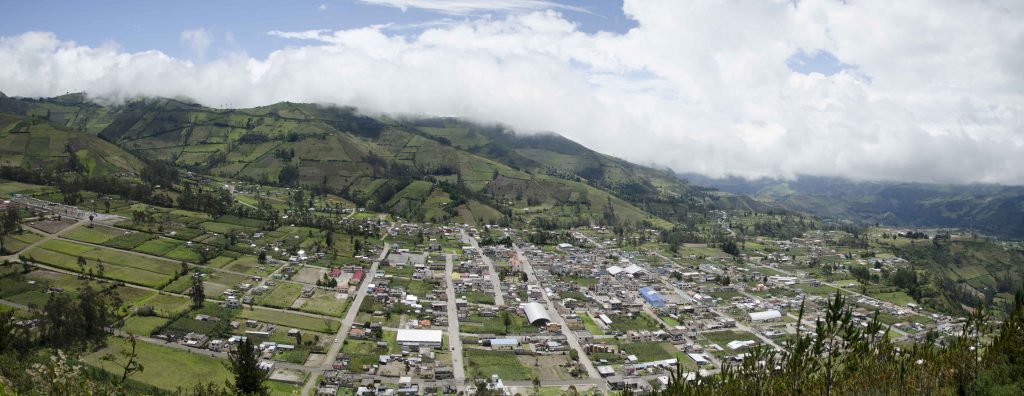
482 363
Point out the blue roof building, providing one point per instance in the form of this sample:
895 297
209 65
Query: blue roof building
652 297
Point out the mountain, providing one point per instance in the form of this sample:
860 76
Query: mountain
421 168
992 209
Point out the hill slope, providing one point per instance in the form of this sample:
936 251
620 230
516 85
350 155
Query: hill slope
36 144
433 169
997 210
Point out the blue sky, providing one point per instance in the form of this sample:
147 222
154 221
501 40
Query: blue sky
145 25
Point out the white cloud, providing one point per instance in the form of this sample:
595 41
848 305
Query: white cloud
322 7
198 40
466 7
937 94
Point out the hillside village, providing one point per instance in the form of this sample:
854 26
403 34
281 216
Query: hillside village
387 306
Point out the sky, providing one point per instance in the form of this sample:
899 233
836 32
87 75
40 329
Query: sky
913 90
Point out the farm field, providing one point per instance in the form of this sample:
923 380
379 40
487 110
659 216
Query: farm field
281 296
321 325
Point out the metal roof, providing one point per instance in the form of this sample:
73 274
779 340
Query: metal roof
765 315
419 336
536 313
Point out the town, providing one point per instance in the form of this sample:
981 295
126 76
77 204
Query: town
379 305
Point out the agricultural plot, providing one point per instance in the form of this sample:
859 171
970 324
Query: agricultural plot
17 242
142 272
281 296
96 235
287 319
128 241
143 325
167 305
249 265
157 247
325 303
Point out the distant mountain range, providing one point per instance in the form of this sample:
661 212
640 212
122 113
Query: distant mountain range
989 209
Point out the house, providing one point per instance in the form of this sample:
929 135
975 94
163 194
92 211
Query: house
308 291
504 343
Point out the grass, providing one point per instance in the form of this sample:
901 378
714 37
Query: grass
478 297
125 274
128 241
324 303
16 242
281 296
297 321
143 325
483 363
590 325
361 352
167 305
898 297
496 325
157 247
188 368
624 323
97 235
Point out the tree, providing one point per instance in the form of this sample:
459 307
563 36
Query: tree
198 294
81 264
249 377
130 366
506 320
262 259
100 267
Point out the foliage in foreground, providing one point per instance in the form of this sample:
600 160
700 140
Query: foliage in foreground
842 358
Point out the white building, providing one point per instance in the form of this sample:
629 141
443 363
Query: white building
420 337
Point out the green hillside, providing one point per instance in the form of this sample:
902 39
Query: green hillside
429 169
34 143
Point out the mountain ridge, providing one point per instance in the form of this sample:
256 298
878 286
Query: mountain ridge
988 208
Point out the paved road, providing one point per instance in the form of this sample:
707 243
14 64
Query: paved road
346 324
569 334
499 297
454 339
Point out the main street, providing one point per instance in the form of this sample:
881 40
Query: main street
570 336
346 324
454 339
499 298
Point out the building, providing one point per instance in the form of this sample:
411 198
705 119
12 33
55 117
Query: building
504 343
765 315
652 297
536 314
420 337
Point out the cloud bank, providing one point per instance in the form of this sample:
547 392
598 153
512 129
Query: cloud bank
928 91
